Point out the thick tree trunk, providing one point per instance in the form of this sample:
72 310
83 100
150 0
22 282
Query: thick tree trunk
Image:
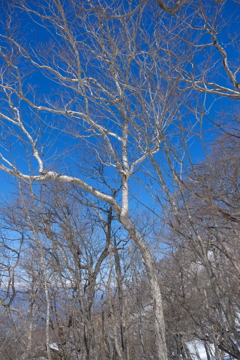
155 288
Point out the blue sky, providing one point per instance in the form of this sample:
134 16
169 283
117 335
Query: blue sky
37 35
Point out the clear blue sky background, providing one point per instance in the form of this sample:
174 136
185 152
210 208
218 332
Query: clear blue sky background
37 34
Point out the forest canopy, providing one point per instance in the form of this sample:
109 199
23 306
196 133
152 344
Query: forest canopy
120 134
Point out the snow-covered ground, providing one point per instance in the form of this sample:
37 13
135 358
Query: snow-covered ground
197 351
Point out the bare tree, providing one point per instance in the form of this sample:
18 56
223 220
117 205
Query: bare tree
201 274
75 262
119 88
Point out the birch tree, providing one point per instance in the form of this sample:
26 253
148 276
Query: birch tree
91 93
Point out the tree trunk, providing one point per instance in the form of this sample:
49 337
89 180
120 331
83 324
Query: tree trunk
155 288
